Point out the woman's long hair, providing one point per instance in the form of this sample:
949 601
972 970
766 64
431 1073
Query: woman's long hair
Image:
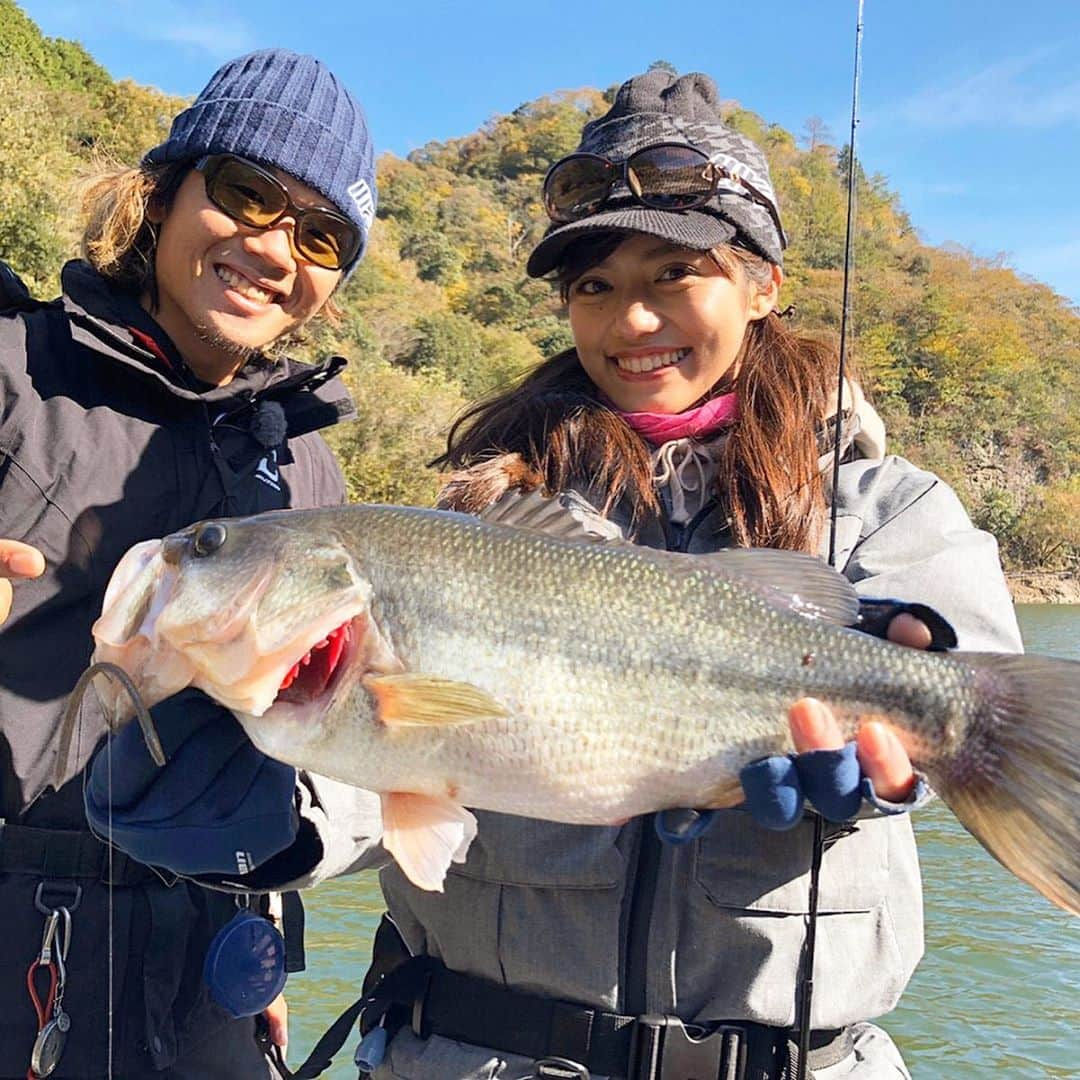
768 476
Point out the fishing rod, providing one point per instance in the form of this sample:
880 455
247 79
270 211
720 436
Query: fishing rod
806 979
845 309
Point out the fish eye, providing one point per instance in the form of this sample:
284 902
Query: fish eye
209 538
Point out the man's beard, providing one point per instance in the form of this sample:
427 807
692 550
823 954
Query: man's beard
243 354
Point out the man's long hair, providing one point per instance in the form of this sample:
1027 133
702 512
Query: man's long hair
119 239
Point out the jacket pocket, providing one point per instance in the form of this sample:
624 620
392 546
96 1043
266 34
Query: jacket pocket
536 906
743 866
520 851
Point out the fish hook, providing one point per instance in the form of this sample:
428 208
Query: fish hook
67 723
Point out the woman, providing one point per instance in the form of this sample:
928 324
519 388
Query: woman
151 394
691 416
687 417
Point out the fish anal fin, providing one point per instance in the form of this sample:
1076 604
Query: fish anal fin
723 795
425 834
409 699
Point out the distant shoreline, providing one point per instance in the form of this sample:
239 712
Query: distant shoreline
1044 587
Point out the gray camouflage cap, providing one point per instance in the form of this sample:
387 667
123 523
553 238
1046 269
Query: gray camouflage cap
659 107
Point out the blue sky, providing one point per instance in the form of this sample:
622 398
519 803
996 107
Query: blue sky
971 108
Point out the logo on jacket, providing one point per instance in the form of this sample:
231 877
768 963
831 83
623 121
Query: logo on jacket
267 471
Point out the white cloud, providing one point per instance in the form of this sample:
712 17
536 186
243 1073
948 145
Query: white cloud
200 25
1020 92
219 38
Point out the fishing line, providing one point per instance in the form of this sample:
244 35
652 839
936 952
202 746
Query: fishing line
70 724
112 928
806 977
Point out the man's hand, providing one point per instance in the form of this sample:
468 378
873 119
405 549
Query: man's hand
217 807
17 560
276 1015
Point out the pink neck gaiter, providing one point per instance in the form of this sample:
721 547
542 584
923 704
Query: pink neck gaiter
700 423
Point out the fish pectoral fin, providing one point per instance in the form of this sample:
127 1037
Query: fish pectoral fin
724 795
425 834
414 700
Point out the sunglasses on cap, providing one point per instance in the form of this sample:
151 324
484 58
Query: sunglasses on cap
255 197
666 176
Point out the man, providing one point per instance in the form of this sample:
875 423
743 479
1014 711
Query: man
150 395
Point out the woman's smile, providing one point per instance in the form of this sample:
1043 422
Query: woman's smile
652 363
657 326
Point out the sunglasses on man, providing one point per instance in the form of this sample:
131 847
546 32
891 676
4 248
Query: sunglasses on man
254 196
665 176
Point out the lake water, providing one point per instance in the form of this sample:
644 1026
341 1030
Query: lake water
997 994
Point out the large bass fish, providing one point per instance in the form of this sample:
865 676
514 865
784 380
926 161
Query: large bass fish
446 661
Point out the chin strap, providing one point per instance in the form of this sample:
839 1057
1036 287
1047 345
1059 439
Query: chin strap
805 990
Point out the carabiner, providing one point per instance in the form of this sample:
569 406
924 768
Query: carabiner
52 923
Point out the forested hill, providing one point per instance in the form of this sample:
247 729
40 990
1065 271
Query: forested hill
976 370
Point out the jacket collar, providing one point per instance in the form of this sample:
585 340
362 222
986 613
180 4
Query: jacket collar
113 324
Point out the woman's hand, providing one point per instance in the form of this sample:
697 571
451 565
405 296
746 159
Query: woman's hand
881 756
828 772
878 750
17 560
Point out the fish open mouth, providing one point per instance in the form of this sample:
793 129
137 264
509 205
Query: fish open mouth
312 675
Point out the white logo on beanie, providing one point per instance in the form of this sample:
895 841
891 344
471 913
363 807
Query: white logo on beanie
360 194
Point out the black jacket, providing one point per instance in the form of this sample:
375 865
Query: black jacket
106 439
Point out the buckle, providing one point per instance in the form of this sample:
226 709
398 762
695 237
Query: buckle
665 1048
557 1068
70 894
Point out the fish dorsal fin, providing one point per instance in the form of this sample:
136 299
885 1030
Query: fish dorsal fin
425 834
791 580
411 699
567 516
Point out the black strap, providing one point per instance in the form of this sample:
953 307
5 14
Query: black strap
66 853
292 927
322 1055
475 1011
437 1001
472 1010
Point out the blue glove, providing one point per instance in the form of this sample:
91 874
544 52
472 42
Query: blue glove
218 806
776 787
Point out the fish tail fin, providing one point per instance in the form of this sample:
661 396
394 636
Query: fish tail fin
1015 781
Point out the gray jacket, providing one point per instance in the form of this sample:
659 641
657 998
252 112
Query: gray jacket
712 930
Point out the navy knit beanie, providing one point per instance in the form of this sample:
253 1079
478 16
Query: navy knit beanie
283 109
